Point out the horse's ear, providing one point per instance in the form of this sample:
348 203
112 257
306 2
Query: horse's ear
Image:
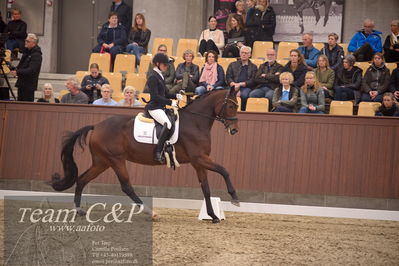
233 92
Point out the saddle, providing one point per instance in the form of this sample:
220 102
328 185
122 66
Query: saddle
146 117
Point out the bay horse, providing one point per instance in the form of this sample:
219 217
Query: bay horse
112 144
301 5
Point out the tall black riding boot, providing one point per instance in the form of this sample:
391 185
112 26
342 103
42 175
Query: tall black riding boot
161 142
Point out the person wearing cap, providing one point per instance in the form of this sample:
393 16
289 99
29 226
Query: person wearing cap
160 97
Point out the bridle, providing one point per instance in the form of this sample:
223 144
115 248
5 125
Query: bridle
219 117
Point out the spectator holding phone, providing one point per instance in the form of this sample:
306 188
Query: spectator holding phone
91 84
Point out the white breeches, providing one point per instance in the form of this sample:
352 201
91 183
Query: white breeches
160 116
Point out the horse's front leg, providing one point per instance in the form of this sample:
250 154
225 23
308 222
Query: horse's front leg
317 14
207 163
300 14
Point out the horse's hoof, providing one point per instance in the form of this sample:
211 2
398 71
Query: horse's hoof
80 212
215 220
235 202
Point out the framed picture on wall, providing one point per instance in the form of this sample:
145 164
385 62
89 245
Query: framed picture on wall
294 17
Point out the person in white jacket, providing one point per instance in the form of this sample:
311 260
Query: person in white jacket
211 38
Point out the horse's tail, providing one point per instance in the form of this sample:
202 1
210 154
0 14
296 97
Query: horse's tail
68 163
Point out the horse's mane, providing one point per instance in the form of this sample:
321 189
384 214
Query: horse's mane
201 97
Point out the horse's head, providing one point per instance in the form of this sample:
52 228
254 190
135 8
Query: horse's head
227 111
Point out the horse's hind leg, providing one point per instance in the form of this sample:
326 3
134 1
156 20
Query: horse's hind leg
83 180
203 179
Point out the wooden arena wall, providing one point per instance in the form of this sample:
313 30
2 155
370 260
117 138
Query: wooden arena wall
286 153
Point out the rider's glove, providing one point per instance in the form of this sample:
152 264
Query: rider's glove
179 97
174 103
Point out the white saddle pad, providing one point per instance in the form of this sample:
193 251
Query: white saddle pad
145 132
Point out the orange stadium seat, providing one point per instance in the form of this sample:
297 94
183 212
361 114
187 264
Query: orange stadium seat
81 74
284 49
341 108
62 93
184 44
259 50
103 61
391 66
138 81
144 63
257 105
146 97
345 47
125 63
368 108
257 62
178 60
199 61
225 62
158 41
115 80
318 45
363 65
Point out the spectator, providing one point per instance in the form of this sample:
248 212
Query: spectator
333 51
389 106
169 73
297 67
138 38
267 77
187 74
124 13
48 94
112 37
241 75
391 44
75 96
348 80
252 23
235 36
16 30
312 95
91 84
28 69
267 23
285 97
211 38
365 42
3 25
106 93
212 75
240 9
325 77
310 53
394 84
130 95
376 80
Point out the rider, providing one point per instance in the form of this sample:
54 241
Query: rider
159 98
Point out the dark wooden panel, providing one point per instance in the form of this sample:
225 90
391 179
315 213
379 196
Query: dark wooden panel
290 153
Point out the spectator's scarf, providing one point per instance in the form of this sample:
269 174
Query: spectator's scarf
209 74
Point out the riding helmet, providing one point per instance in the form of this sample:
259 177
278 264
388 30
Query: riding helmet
160 58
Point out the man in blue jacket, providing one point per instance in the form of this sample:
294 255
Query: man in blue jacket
366 42
310 53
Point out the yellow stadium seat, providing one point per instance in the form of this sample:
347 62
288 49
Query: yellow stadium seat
6 69
257 62
185 44
239 104
125 63
363 65
81 74
145 61
62 93
282 62
158 41
225 62
341 108
146 97
178 60
199 61
284 49
136 80
103 61
259 50
368 108
115 80
117 96
345 47
318 45
391 66
257 105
